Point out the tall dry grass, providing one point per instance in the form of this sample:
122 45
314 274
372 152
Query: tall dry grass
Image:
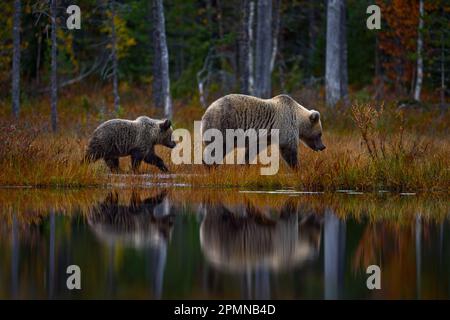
29 157
368 148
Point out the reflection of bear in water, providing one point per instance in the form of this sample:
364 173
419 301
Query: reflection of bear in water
140 224
242 238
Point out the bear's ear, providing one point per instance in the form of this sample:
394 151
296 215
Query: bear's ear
314 116
165 124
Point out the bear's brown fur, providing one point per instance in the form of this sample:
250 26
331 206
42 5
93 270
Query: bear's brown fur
136 138
295 122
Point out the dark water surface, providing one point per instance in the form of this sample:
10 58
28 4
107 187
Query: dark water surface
190 244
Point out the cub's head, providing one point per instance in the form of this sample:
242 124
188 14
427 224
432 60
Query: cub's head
311 131
165 133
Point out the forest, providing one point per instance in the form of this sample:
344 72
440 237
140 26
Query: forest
383 93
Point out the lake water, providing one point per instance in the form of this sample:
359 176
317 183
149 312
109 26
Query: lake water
214 244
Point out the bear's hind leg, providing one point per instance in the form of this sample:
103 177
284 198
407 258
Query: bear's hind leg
157 161
113 164
136 159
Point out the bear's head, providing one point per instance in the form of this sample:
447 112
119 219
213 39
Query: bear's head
165 134
311 131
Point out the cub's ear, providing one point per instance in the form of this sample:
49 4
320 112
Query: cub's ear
165 124
314 116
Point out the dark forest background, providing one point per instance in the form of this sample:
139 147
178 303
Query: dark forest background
215 47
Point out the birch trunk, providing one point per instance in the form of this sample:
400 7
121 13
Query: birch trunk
114 58
16 60
442 72
336 53
419 73
251 49
264 48
312 35
161 98
276 28
343 52
244 47
53 76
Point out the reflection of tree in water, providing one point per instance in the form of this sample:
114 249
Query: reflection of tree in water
142 224
400 249
15 235
334 255
253 242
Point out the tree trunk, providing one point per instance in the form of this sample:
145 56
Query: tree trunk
114 58
263 49
336 57
419 73
379 82
251 48
442 72
54 84
246 46
344 69
158 100
312 35
221 49
275 31
161 89
38 59
16 60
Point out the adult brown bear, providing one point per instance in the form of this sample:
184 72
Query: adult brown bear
294 122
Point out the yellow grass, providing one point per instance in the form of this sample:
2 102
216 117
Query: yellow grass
30 206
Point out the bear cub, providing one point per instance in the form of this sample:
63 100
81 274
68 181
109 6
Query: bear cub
136 138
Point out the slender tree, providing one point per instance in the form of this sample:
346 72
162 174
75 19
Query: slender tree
114 58
275 31
336 53
419 73
263 53
158 100
38 57
53 76
442 72
16 60
246 46
344 52
161 95
312 34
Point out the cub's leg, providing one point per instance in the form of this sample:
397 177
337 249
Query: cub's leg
152 158
113 164
289 154
136 159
